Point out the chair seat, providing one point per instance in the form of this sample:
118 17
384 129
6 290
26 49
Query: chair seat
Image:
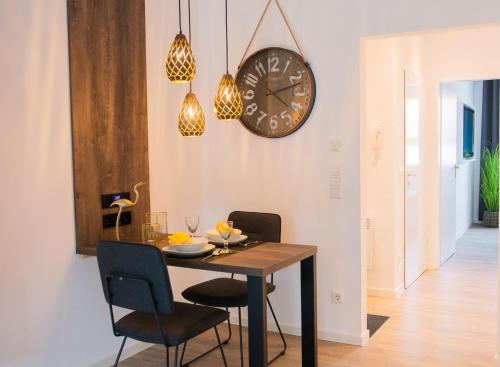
186 322
221 292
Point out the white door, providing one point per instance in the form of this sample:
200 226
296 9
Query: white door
414 249
447 215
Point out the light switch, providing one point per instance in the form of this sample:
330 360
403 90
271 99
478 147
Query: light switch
335 182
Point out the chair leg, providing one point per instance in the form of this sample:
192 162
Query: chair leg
176 355
168 356
241 336
120 352
283 351
183 351
229 328
211 349
220 346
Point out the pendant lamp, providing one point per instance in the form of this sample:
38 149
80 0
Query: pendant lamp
228 104
180 66
191 120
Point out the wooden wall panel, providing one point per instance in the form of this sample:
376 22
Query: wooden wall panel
107 50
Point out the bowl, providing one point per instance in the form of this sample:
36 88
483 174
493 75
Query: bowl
213 235
197 244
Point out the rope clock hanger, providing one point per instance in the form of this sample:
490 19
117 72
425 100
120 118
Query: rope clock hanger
277 86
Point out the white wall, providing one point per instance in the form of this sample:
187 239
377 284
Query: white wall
52 309
289 176
384 72
437 57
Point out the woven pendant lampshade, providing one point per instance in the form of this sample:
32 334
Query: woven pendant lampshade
181 66
191 121
228 104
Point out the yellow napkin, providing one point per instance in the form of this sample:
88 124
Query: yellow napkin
222 226
180 238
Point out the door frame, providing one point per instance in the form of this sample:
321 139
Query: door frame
467 72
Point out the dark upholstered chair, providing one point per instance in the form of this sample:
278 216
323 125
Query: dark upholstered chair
135 277
230 292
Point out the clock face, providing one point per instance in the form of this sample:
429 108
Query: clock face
278 92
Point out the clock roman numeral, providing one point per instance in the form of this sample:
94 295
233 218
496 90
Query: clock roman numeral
260 69
251 80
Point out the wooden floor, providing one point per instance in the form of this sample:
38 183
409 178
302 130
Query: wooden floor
446 319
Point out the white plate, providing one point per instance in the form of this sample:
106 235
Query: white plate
207 248
231 241
197 243
214 236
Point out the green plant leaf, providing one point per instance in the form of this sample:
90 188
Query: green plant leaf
489 179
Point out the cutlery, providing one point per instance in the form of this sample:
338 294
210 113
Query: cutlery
216 252
248 243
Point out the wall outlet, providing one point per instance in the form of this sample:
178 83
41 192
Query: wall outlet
337 297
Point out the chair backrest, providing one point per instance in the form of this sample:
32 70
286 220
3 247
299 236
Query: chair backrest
134 276
258 226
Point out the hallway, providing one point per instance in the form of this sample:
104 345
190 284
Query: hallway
447 318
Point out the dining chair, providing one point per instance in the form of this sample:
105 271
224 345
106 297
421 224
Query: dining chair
134 276
229 292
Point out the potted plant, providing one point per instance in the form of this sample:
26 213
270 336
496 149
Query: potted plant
489 186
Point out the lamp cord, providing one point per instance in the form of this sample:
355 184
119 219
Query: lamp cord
227 47
189 23
180 18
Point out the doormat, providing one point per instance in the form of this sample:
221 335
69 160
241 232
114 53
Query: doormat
375 322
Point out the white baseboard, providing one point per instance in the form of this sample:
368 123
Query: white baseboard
385 292
327 335
128 351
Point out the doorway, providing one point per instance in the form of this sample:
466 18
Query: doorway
469 143
387 176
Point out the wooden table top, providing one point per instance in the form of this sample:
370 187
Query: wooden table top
256 260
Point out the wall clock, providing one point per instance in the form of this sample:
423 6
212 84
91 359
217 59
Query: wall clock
278 91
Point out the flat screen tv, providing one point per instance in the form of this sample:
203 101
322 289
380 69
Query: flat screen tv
468 131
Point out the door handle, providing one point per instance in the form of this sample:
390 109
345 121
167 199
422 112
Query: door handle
408 175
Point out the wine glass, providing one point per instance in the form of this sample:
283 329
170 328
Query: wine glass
192 222
225 230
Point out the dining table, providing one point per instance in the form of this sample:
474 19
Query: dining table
257 262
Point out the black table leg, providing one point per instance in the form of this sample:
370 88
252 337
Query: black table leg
308 302
257 321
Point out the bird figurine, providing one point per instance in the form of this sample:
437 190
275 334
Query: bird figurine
125 203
